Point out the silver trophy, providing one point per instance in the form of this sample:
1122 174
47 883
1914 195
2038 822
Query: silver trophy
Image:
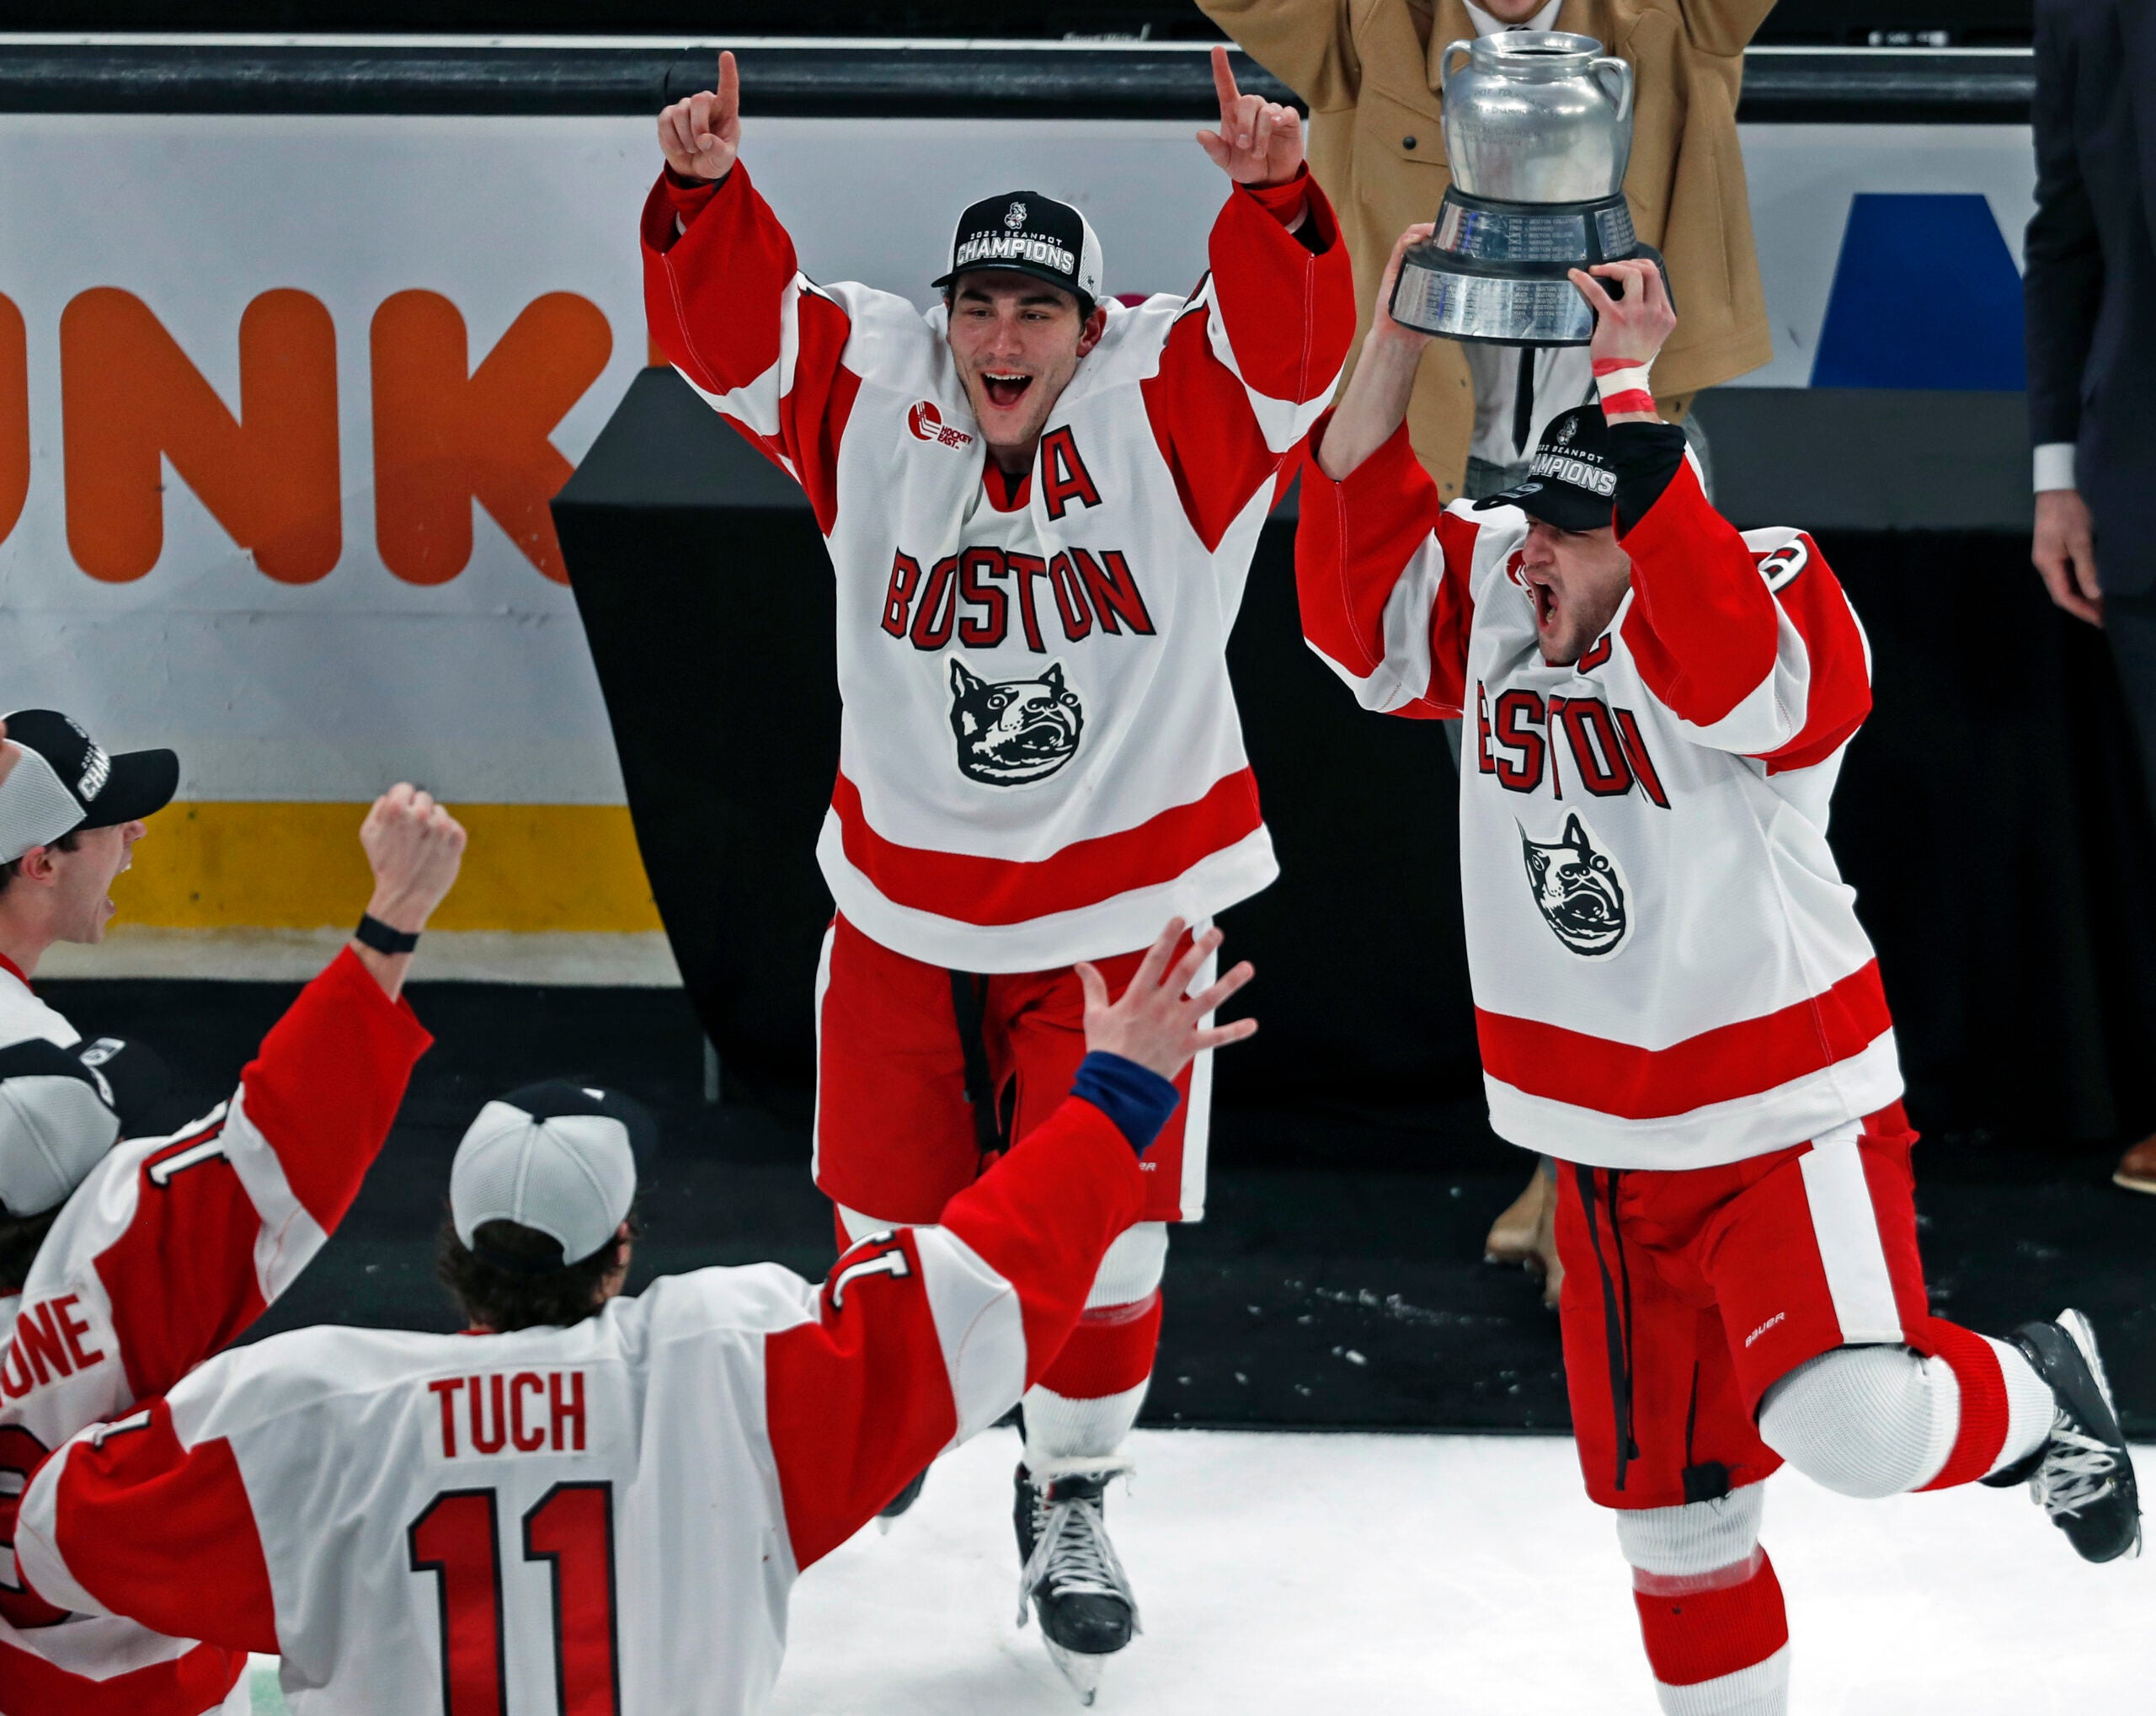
1538 130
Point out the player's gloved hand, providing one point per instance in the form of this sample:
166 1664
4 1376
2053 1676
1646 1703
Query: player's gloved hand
415 848
701 135
1155 1021
1259 141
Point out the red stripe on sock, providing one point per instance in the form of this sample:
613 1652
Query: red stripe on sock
1983 1431
1707 1634
1109 1352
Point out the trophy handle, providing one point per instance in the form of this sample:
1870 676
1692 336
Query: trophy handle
1622 94
1444 63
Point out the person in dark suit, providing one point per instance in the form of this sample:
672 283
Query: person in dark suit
2090 294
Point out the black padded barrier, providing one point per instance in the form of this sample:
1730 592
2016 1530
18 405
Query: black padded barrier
857 79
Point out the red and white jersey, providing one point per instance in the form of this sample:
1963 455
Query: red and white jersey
605 1518
1040 759
167 1251
24 1014
1668 967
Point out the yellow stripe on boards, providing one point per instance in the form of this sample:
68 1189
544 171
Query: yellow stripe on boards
529 867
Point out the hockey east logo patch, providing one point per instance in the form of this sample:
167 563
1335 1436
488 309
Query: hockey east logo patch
1579 889
1013 732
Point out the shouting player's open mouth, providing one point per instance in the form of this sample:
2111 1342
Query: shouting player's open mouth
1548 604
1005 387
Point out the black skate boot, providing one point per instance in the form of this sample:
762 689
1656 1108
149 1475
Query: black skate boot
2082 1476
1071 1577
904 1499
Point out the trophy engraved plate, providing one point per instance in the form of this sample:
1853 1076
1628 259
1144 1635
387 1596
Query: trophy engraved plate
1614 226
1489 235
1538 130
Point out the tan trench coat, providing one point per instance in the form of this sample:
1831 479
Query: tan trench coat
1367 70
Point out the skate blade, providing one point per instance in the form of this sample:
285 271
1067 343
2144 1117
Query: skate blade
1082 1672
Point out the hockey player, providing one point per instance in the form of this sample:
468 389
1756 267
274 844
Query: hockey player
124 1263
601 1505
70 815
1041 507
1673 995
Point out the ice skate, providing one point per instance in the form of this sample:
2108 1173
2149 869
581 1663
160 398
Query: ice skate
1070 1576
904 1499
2082 1476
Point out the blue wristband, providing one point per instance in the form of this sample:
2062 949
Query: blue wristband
1138 1099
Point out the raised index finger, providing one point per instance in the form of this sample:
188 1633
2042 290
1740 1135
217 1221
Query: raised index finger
1223 83
729 86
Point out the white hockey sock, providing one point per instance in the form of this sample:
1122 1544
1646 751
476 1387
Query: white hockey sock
1710 1608
1867 1421
1084 1405
1761 1690
2030 1406
1060 1428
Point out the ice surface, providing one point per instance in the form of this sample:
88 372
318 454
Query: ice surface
1409 1576
1367 1575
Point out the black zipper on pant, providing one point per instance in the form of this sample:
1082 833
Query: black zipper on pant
1616 1320
969 1004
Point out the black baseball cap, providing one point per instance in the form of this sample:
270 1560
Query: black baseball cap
1023 231
1570 482
67 781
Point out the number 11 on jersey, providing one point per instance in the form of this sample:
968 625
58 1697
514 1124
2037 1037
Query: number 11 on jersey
456 1537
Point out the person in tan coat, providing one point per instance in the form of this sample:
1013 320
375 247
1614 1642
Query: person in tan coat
1369 73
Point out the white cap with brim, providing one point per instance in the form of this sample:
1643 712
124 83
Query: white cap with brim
55 1125
556 1157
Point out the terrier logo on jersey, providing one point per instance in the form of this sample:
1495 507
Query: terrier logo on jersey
927 423
1579 889
1012 732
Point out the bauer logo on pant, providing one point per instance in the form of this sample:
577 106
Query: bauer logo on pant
1012 732
1579 889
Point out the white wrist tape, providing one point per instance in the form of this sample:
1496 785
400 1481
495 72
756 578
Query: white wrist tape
1623 385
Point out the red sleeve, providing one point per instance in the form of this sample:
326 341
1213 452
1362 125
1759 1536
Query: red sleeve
1382 542
1250 364
1702 624
227 1212
919 1340
1705 627
127 1521
1838 698
720 298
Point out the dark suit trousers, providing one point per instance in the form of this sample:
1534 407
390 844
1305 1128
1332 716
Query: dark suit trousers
2130 625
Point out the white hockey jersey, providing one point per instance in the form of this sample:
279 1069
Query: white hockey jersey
170 1249
24 1014
1668 970
1039 757
605 1519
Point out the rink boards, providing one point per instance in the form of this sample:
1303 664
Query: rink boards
283 398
